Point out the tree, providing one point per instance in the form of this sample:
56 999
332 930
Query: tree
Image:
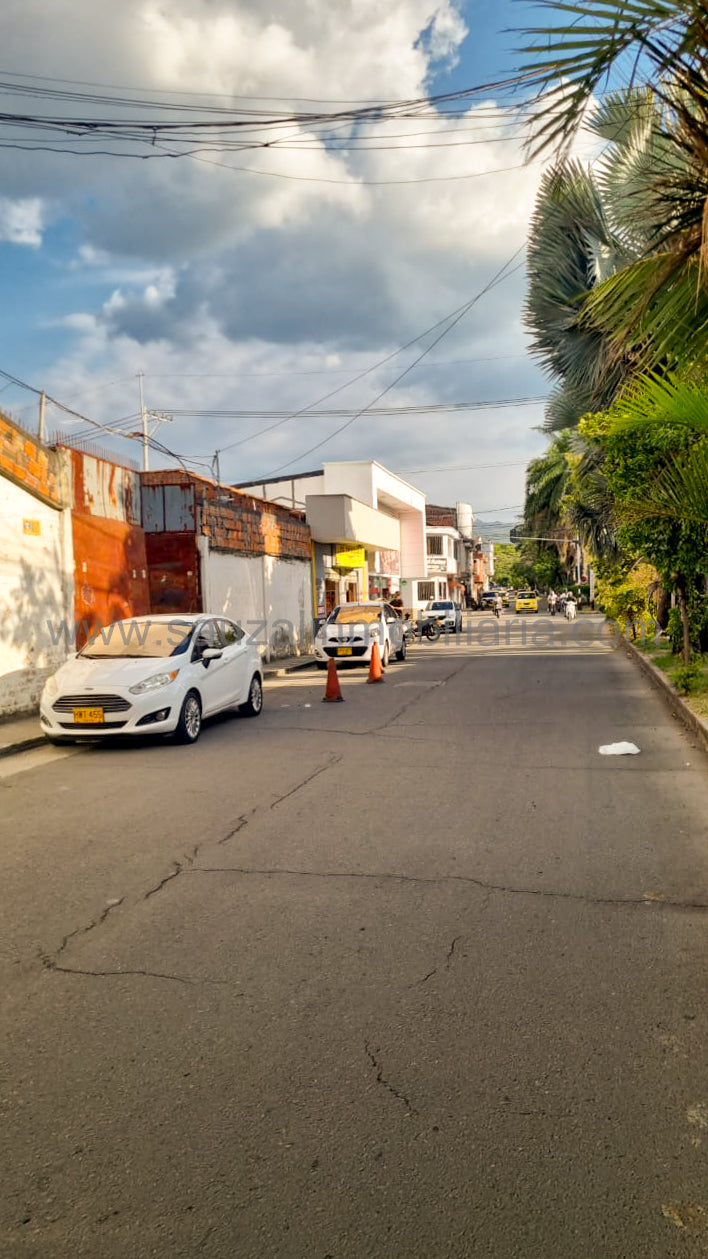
634 461
506 557
655 172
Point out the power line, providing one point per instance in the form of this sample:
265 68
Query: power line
452 321
414 408
320 371
470 467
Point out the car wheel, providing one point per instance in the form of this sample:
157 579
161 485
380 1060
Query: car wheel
254 703
322 664
401 653
190 719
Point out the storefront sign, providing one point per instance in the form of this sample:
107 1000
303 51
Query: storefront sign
437 564
31 526
350 559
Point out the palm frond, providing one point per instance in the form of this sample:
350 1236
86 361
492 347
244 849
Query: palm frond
681 490
652 311
654 400
567 61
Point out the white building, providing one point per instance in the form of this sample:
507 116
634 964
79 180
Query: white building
368 530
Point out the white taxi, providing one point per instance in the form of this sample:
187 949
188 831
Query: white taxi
350 631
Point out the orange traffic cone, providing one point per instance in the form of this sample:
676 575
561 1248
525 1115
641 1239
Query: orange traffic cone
375 669
333 693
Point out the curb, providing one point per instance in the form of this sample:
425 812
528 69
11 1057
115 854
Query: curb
677 706
23 745
275 671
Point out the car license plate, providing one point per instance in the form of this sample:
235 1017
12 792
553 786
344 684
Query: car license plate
344 651
87 716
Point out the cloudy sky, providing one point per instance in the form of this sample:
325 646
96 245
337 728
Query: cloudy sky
262 281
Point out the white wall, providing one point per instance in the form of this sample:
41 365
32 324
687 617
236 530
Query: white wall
257 588
340 519
290 492
36 587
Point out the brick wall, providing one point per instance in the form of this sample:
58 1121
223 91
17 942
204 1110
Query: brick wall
32 466
237 522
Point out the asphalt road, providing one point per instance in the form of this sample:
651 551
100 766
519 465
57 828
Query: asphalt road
417 975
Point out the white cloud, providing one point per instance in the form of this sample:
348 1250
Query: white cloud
21 221
224 285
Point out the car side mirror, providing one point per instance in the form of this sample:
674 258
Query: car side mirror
212 653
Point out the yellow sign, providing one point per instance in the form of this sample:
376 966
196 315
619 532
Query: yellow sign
350 559
31 526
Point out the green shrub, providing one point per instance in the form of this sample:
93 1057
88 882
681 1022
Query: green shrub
687 676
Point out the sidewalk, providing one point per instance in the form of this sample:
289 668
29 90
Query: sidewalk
20 733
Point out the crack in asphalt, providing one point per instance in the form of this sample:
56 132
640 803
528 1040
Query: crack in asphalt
386 1083
451 950
50 962
240 823
508 889
333 760
149 974
448 961
178 868
358 734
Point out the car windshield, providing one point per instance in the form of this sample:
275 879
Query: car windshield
526 594
354 613
137 639
440 606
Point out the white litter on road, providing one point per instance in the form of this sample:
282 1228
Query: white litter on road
618 749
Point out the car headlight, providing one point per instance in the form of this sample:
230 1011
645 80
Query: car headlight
373 631
152 684
51 687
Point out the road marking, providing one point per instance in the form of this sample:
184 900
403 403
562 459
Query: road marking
36 758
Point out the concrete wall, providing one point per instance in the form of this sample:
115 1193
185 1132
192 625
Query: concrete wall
36 587
270 597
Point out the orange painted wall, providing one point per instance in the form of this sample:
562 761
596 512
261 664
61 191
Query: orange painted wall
110 571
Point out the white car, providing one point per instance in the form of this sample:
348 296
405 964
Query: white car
351 630
153 675
447 613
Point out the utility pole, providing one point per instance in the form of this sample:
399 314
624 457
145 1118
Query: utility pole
42 405
144 419
217 470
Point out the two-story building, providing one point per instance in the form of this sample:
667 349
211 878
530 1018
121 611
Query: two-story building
367 526
444 563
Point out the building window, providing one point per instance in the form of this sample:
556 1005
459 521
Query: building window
435 544
426 590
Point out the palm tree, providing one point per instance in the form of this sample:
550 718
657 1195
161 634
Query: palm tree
571 249
654 308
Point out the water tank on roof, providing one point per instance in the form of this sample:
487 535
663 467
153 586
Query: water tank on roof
465 519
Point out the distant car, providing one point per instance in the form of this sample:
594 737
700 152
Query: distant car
153 675
486 600
505 598
526 601
350 631
447 613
